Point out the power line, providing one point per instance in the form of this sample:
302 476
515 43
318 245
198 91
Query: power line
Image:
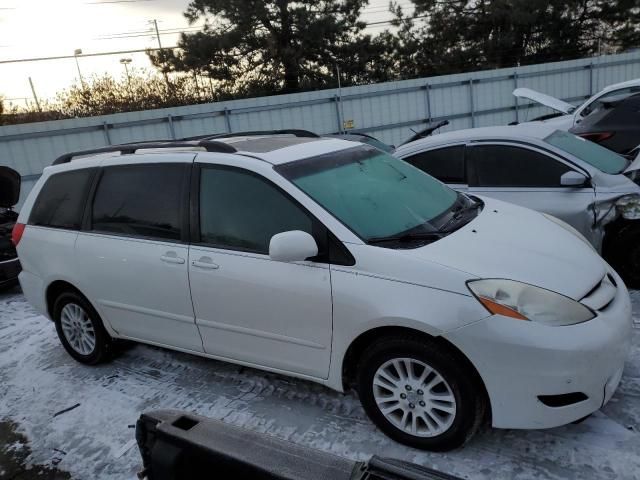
63 57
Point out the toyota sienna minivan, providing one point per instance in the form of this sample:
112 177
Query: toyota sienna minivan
331 261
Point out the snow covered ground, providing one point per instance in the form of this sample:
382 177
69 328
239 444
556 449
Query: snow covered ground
95 439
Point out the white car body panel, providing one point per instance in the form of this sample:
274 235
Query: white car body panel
300 318
251 308
115 271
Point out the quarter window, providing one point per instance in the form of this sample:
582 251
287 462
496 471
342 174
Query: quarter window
505 166
242 211
445 164
62 199
141 201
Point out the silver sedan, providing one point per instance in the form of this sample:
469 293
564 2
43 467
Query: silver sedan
535 165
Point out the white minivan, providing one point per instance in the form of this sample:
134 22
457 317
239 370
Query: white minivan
332 261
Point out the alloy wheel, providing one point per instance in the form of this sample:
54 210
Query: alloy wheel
414 397
78 329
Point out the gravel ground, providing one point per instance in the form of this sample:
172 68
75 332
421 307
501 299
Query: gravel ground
94 440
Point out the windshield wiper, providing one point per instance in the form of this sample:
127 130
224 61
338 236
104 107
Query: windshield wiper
458 214
408 237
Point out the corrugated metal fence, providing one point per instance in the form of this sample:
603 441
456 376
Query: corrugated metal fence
387 110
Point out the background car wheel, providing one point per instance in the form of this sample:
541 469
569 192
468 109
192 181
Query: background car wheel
420 394
80 329
624 254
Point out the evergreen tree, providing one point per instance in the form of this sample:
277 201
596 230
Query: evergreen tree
260 47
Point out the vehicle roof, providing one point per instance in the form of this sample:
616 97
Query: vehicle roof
279 149
630 83
273 149
532 131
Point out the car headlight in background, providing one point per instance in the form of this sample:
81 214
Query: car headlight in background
526 302
568 228
629 206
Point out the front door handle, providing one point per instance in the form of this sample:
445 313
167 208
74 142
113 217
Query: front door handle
206 263
172 259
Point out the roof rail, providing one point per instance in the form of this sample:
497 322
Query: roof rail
258 133
128 148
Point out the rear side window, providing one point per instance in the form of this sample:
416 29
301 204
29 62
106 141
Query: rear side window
62 199
241 211
445 164
141 201
505 166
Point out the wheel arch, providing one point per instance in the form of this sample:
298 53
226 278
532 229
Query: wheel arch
360 343
55 289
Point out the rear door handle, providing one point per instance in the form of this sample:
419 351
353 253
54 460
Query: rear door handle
171 259
206 263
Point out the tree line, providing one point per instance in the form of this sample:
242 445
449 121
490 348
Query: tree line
250 48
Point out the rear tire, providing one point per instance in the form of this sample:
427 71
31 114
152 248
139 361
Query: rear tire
80 329
431 402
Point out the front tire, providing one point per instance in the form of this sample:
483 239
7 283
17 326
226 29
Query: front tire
80 329
420 393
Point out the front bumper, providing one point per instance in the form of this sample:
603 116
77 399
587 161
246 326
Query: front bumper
520 361
9 271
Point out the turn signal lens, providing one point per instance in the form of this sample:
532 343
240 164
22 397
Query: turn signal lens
498 309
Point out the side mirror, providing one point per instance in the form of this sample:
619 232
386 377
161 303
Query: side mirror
293 246
573 179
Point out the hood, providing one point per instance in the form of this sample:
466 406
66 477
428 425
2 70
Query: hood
9 187
507 241
546 100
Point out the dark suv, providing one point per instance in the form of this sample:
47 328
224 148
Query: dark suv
9 195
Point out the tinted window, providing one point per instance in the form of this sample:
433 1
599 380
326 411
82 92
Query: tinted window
445 164
141 200
502 166
241 211
62 199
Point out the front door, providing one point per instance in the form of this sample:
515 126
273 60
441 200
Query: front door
529 178
248 307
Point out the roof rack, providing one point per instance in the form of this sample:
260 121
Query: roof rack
258 133
129 148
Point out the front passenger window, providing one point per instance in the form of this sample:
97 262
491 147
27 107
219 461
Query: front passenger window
506 166
240 210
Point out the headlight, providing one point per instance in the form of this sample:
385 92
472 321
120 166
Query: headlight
568 228
526 302
629 206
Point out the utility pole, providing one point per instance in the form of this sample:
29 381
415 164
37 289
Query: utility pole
78 51
164 59
342 129
126 62
35 97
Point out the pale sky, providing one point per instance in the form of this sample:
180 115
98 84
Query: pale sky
42 28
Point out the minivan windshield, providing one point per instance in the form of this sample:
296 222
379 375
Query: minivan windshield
372 193
595 155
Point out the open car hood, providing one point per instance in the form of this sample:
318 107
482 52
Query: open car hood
546 100
9 187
